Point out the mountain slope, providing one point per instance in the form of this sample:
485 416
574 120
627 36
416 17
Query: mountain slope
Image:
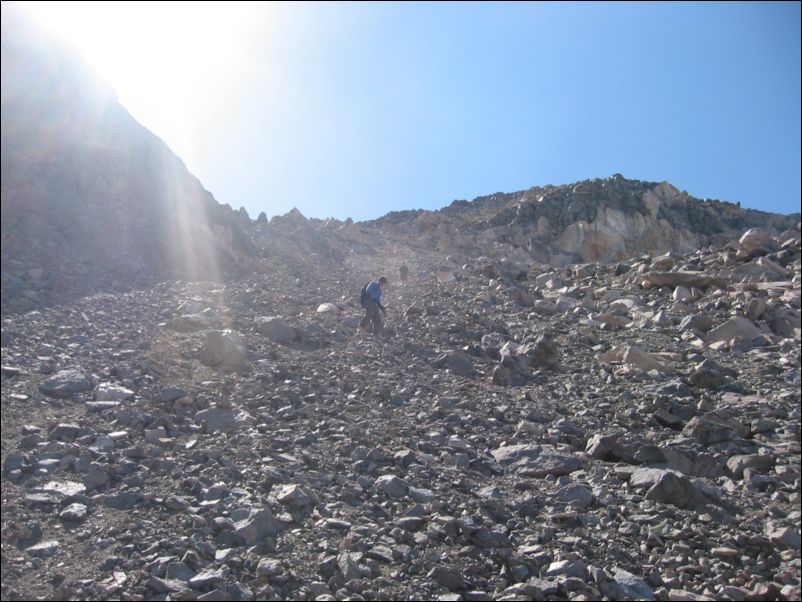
92 200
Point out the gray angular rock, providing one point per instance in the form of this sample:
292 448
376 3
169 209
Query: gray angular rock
112 392
578 496
276 329
256 527
224 349
708 432
44 549
785 537
678 490
626 586
224 420
392 486
761 463
74 512
66 383
448 578
456 362
735 328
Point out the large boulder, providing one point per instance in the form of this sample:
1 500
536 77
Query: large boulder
276 329
224 349
66 383
735 328
757 242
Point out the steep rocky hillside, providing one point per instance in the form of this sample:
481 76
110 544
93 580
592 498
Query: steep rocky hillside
582 392
91 200
627 430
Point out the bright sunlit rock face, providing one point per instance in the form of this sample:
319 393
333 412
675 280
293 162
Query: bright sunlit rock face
168 62
91 200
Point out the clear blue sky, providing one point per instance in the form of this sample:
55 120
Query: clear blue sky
358 109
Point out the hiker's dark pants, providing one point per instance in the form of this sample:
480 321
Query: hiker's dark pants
373 314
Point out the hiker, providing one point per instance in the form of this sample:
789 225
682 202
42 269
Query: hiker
371 301
404 272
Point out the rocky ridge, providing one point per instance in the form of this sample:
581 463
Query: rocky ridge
624 430
592 220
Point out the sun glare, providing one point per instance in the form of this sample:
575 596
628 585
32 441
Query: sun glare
172 64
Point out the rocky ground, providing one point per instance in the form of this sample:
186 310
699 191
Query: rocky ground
625 431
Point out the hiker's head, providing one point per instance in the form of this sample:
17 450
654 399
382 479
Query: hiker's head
382 282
